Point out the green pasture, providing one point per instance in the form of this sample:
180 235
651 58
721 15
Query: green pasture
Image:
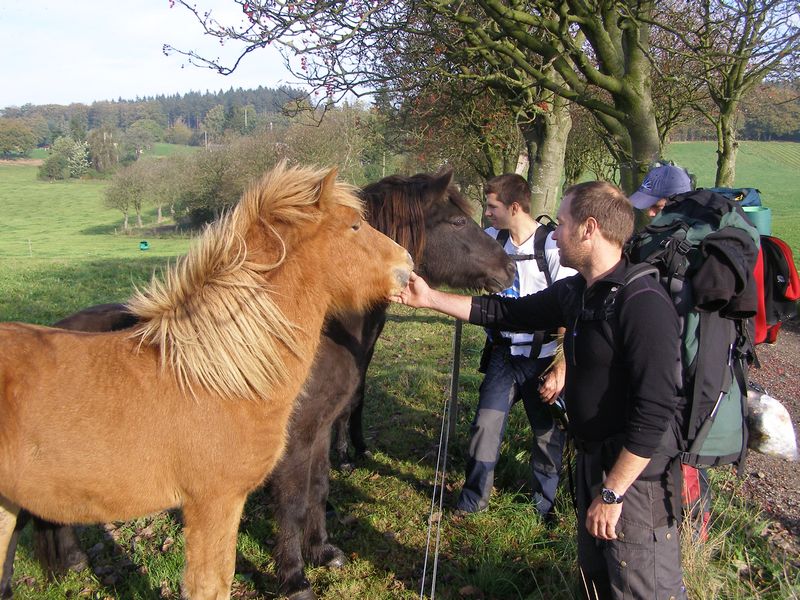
772 167
59 252
66 220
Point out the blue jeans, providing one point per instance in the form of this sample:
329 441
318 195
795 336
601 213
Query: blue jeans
508 379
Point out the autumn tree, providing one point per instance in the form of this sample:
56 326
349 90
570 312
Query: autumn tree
126 192
593 54
104 148
179 133
730 47
16 137
772 112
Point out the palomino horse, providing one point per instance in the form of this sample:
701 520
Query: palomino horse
427 215
189 408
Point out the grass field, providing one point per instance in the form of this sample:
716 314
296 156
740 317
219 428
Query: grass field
772 167
59 252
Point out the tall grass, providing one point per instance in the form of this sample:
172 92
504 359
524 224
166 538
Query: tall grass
75 259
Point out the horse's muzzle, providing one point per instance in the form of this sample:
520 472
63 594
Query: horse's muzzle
402 274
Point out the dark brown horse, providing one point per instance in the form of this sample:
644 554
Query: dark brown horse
428 216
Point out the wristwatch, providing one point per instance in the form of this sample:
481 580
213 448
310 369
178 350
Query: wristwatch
609 496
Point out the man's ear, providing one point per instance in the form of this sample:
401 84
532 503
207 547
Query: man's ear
590 227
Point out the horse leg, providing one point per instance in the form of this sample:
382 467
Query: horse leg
289 488
9 534
210 529
356 425
340 443
317 548
57 548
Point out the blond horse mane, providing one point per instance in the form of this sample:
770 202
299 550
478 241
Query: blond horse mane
212 313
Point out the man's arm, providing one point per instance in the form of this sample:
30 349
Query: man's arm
601 518
418 294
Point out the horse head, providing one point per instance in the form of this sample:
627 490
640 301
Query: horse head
261 280
427 215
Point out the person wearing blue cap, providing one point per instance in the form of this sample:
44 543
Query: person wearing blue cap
658 185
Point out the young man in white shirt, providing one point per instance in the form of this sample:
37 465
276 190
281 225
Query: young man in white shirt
515 363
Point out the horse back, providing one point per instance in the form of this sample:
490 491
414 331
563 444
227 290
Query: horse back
92 429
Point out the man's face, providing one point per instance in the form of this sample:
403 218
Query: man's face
656 208
568 237
498 214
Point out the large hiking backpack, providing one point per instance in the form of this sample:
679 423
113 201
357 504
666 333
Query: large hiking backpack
704 250
745 196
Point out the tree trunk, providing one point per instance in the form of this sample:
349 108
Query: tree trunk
125 222
138 219
727 147
547 144
644 143
498 162
160 217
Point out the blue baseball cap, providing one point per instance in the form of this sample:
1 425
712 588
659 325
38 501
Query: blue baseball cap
661 182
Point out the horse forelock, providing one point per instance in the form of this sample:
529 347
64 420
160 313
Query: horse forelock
396 206
213 314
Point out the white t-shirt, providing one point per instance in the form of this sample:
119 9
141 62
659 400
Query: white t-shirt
530 280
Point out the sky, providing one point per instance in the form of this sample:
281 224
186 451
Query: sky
65 51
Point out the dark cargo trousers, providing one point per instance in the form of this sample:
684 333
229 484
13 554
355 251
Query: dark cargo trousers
644 562
508 379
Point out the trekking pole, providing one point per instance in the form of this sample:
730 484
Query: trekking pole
449 418
454 374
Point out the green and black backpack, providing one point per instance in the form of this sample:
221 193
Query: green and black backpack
702 248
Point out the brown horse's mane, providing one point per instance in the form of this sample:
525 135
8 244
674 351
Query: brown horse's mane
396 207
210 314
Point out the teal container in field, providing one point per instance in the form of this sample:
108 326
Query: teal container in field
761 217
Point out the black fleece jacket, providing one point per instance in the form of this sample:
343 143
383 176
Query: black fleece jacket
626 386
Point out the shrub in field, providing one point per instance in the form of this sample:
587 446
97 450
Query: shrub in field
69 152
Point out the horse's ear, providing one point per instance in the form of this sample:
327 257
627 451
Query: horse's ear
440 181
326 187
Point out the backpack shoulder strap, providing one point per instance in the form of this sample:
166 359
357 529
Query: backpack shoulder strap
502 237
610 306
539 240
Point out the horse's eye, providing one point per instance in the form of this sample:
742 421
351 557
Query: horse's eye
459 221
356 226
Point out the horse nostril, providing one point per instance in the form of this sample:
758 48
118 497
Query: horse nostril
402 276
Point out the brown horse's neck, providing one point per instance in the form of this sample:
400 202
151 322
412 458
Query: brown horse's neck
306 307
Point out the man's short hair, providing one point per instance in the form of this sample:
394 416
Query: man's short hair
510 188
607 204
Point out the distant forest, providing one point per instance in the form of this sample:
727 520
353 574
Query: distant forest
190 109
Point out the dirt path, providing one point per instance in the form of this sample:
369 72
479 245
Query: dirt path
773 483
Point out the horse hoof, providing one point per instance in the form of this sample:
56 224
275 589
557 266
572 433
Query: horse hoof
298 587
307 594
333 557
76 561
347 466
